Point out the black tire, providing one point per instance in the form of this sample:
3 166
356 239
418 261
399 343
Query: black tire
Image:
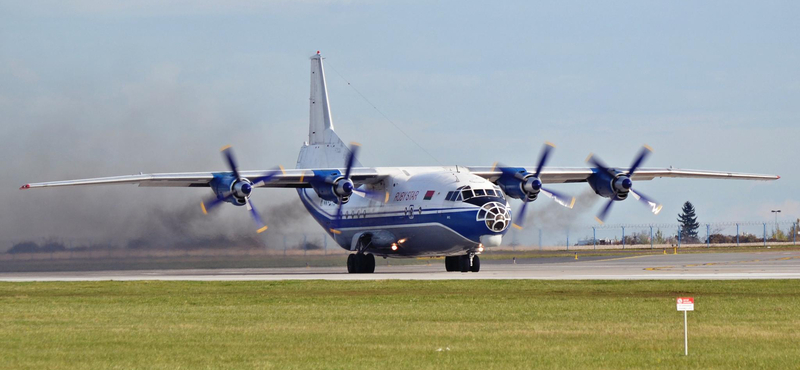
351 264
476 264
369 263
359 260
463 263
448 264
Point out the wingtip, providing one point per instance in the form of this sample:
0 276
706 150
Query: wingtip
203 207
353 143
283 171
777 177
572 203
337 232
517 226
549 144
598 220
494 165
648 147
386 198
261 230
28 186
589 157
224 148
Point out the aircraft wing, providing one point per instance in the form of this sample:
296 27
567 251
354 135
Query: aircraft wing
555 175
282 179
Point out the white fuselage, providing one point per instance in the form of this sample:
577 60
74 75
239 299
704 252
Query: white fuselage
426 213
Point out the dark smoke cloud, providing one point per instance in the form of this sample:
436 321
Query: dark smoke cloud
153 124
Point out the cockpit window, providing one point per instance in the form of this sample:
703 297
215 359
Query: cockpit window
465 193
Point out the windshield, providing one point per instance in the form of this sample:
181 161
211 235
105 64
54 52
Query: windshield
465 193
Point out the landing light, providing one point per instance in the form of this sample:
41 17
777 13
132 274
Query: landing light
401 241
394 246
480 247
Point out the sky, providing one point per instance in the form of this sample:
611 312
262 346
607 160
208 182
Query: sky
102 88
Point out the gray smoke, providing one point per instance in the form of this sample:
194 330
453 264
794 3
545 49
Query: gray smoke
552 215
152 124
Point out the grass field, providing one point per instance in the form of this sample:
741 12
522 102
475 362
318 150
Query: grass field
398 325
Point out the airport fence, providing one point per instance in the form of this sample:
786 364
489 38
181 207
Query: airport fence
629 236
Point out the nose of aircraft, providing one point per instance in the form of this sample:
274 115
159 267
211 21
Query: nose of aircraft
495 215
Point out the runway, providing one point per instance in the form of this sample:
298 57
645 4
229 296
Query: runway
716 266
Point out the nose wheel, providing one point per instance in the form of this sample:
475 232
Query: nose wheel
465 263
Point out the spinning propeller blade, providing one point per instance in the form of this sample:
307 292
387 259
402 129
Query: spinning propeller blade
548 147
520 220
559 198
646 150
602 215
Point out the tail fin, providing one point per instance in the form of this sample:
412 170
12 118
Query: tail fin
323 149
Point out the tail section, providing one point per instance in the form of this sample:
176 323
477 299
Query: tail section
323 149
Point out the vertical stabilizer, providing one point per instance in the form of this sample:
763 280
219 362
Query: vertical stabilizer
324 149
320 123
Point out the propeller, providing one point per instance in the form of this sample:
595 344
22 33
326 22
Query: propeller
346 185
242 188
623 182
533 184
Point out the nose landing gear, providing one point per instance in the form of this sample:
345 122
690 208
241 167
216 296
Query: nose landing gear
465 263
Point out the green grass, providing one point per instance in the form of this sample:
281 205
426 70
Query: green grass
635 250
398 325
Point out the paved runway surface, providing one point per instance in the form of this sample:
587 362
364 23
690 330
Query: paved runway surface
760 265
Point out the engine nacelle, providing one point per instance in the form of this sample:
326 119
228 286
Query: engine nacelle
238 190
518 183
332 186
608 185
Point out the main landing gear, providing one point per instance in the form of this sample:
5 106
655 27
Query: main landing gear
465 263
360 263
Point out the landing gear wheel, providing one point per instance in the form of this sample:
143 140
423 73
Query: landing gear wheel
463 263
369 263
351 265
450 264
476 264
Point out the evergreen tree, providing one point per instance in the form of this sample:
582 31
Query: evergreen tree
688 221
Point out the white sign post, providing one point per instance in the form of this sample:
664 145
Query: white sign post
685 304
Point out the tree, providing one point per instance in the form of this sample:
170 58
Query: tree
660 237
688 221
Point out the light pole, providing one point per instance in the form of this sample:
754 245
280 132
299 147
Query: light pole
776 211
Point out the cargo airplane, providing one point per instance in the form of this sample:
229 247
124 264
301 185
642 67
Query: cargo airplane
450 211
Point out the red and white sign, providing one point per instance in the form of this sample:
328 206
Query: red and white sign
685 304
